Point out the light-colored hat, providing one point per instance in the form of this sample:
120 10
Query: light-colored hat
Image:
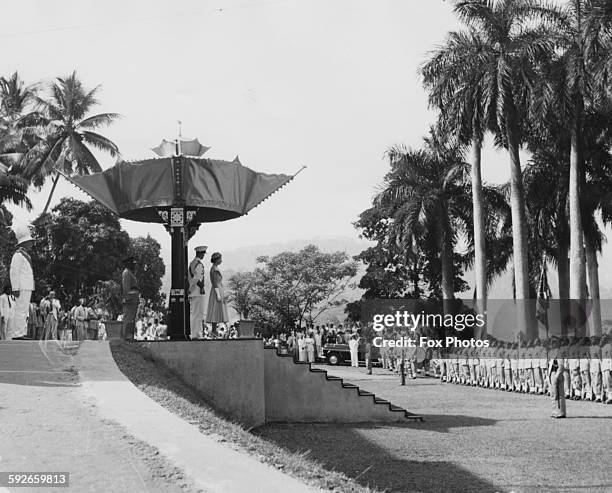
201 249
23 234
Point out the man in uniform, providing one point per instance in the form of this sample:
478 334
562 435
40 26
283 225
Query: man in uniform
196 292
595 369
131 298
584 353
606 367
500 350
573 353
22 282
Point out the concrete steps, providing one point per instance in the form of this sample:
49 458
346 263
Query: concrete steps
376 402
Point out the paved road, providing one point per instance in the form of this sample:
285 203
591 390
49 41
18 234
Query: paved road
46 424
472 440
73 411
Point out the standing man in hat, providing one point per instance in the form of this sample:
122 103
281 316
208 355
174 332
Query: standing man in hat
555 376
22 281
131 297
196 292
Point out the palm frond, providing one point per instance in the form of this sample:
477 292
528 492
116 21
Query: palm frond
100 120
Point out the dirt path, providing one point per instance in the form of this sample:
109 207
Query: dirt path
47 425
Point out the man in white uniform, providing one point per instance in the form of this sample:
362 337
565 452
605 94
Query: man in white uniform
22 282
196 293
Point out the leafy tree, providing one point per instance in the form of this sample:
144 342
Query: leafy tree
13 189
241 295
78 244
8 243
150 269
389 273
79 251
110 296
292 286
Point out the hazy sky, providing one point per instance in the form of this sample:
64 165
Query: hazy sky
329 84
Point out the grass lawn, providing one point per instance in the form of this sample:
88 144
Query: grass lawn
472 440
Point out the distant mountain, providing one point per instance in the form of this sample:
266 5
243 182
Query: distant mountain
244 258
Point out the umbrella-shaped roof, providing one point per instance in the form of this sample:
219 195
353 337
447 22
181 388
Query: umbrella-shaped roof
188 147
218 190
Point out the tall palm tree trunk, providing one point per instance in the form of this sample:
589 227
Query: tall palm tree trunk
446 267
564 279
519 235
593 271
480 263
576 258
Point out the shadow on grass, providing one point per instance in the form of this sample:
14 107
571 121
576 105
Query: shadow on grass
343 448
443 423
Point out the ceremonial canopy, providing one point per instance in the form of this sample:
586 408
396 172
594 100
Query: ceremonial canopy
215 190
181 190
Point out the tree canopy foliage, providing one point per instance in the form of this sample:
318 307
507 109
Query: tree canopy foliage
290 287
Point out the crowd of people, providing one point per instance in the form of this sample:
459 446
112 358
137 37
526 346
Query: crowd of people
150 323
306 343
49 319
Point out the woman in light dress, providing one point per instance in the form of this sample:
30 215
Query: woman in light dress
301 345
318 343
310 347
353 346
217 309
7 312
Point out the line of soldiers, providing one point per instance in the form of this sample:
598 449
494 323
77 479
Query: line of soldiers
525 367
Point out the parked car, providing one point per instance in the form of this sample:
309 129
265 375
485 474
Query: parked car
339 354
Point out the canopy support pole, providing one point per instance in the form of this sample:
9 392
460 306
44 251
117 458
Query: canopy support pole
179 321
178 328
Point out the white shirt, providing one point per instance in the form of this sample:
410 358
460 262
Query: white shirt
7 306
50 307
606 357
22 276
196 274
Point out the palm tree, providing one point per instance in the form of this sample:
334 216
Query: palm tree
13 189
459 95
67 133
14 99
498 56
427 191
581 32
596 200
14 96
